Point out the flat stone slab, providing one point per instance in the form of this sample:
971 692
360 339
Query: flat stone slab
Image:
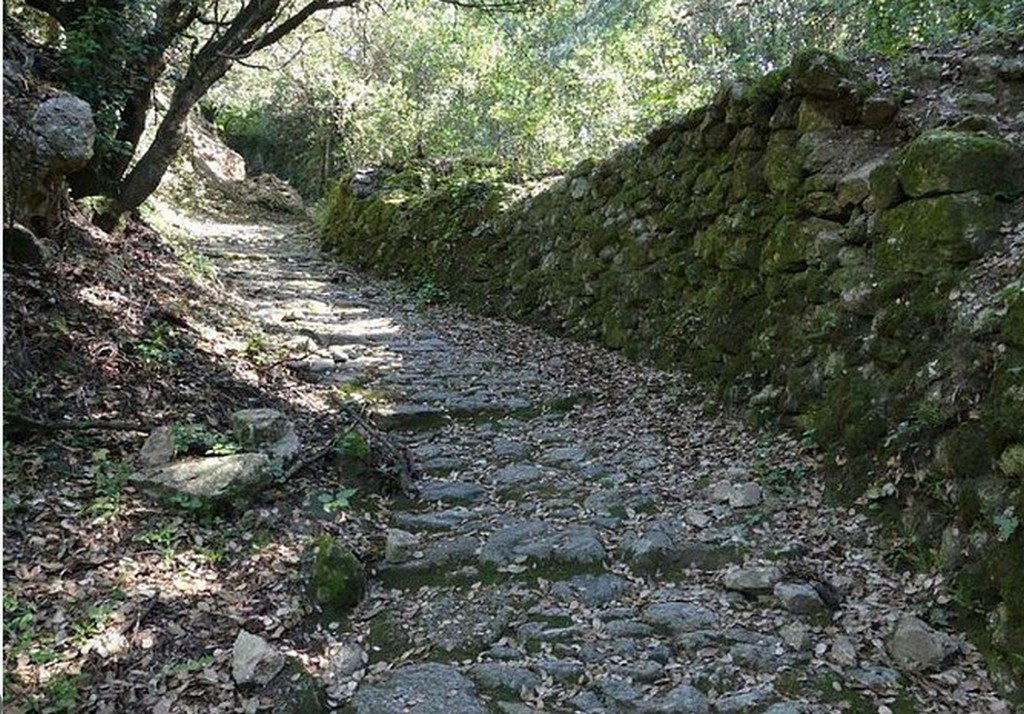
544 543
208 481
422 688
448 519
450 491
408 417
679 617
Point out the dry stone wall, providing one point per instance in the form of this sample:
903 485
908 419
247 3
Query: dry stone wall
822 259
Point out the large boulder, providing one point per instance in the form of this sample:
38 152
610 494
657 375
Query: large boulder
209 483
45 139
821 74
940 162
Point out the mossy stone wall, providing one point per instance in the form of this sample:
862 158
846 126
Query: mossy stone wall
792 246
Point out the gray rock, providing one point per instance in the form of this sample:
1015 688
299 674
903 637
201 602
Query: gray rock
564 670
616 691
683 699
544 543
450 491
627 628
447 519
797 636
651 551
410 417
256 428
516 475
423 688
579 187
159 448
799 598
254 662
506 448
843 651
439 559
65 132
644 671
346 658
22 246
399 545
564 456
590 589
501 677
679 617
209 482
588 701
916 647
785 708
875 678
718 492
754 580
697 518
745 495
759 657
744 701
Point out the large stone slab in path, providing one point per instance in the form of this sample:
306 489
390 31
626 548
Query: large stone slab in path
423 688
544 544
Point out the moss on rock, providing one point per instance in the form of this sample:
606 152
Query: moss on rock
939 162
931 234
337 579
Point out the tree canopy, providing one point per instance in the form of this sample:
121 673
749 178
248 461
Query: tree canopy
308 87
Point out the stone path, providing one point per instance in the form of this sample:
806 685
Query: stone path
594 536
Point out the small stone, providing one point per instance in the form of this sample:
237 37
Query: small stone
797 636
916 647
498 676
875 678
644 671
745 495
450 491
757 580
683 699
159 448
743 701
799 598
843 651
719 492
254 662
697 518
679 617
564 670
399 545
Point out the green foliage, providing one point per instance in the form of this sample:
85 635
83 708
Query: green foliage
1006 524
338 501
109 479
536 90
354 446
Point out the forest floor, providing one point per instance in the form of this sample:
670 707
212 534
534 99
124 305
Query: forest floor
591 534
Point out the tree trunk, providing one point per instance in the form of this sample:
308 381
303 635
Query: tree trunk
147 173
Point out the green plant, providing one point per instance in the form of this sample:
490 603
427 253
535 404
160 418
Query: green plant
154 346
109 478
61 694
1006 524
338 501
256 345
429 292
164 537
354 446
